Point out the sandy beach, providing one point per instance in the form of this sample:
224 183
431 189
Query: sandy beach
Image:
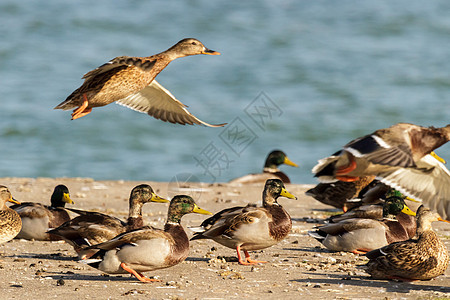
299 267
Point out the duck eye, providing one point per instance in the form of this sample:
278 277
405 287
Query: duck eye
194 43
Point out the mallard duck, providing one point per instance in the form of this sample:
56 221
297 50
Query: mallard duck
401 156
359 235
10 223
148 248
339 193
38 218
416 259
250 228
429 182
375 210
129 81
91 228
270 170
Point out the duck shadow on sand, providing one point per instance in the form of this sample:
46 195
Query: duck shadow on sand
365 281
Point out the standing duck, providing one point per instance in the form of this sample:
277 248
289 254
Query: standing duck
416 259
359 235
38 218
10 223
270 170
129 81
148 248
250 228
92 228
402 157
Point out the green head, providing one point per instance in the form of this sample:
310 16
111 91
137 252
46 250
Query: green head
276 158
60 196
395 205
182 205
273 189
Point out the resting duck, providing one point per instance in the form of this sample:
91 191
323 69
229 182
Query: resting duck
148 248
416 259
38 218
339 193
129 81
270 171
10 223
250 228
400 156
375 209
359 235
91 228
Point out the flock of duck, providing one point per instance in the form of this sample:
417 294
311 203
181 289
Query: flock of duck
390 185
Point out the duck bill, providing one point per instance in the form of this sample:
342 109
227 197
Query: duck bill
12 200
408 211
199 210
286 194
440 219
289 162
156 198
412 200
438 158
66 198
210 52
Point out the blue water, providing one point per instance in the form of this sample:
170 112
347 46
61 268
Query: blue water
331 71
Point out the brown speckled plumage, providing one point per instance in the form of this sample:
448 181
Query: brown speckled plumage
148 248
338 193
129 81
91 228
10 222
416 259
250 228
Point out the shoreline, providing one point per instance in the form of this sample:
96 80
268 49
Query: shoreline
297 266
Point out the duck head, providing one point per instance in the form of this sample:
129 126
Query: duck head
5 196
181 205
276 158
274 189
60 196
395 204
190 46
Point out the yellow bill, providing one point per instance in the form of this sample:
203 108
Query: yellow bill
408 211
66 198
289 162
156 198
438 158
13 201
199 210
286 194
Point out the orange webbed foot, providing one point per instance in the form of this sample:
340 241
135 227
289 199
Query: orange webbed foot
82 110
138 275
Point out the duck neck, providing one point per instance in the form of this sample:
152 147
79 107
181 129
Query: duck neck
180 248
281 223
423 225
55 201
135 214
268 199
409 223
271 169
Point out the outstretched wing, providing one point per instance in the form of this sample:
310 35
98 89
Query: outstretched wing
159 103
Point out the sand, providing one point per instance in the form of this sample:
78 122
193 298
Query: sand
299 267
